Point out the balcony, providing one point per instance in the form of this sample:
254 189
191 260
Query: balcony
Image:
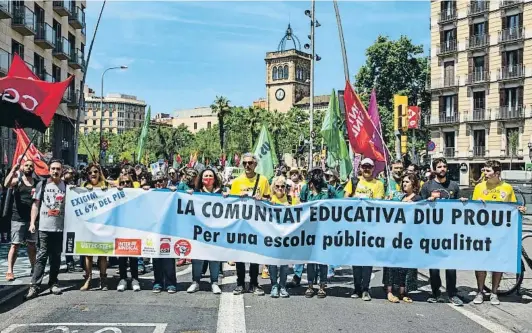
45 36
62 49
479 151
77 17
508 113
23 21
442 119
5 60
5 9
478 7
511 72
477 115
73 97
511 35
446 47
61 8
76 60
477 41
43 75
448 152
445 82
478 77
509 3
447 16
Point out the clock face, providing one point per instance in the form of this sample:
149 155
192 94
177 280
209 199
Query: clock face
279 94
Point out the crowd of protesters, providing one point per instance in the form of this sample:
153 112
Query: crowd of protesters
36 213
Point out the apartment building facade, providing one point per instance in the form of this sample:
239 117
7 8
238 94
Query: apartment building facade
50 37
481 84
120 113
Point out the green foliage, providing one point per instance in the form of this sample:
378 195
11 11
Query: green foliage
395 67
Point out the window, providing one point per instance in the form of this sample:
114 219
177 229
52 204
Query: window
94 123
120 114
110 122
39 15
56 73
280 72
479 29
110 114
94 113
208 124
57 31
72 42
120 123
274 74
85 131
17 48
120 131
479 100
38 65
513 22
286 71
195 126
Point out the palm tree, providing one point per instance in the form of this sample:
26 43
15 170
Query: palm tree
221 108
255 118
278 124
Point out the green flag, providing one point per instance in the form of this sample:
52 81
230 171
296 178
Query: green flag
265 152
331 131
144 134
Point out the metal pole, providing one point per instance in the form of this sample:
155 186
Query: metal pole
311 106
414 156
81 102
342 41
101 120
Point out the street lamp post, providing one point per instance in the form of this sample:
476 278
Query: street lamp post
101 111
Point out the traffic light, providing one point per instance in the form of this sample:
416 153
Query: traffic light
404 144
400 112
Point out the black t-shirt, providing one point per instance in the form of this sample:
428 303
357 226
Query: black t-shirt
415 198
447 190
22 201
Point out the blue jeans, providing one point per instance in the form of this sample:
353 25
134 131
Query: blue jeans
362 276
197 268
280 272
313 269
164 272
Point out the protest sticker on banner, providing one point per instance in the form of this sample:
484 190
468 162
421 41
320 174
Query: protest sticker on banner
160 223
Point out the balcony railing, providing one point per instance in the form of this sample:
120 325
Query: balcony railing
477 7
448 119
448 152
77 17
73 97
478 41
61 8
76 59
5 60
511 112
45 36
62 49
478 115
447 47
508 3
478 77
511 72
5 9
23 20
511 34
479 151
445 82
447 15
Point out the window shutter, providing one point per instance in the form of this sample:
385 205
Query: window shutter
520 96
441 105
487 64
471 31
503 25
520 56
487 28
502 97
520 23
455 111
503 59
471 64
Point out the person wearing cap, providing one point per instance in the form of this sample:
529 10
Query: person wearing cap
295 184
333 179
173 178
365 187
188 179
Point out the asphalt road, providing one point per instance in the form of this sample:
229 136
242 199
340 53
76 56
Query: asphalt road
98 312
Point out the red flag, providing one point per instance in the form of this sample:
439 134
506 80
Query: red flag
413 117
20 69
33 154
28 103
178 159
222 160
359 126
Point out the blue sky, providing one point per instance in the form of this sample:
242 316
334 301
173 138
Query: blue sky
182 54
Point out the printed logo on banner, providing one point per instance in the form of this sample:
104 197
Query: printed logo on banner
71 236
94 248
182 247
165 246
130 247
148 247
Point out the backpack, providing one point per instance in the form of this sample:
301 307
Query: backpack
354 184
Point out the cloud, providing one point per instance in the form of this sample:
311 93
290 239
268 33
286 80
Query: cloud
95 64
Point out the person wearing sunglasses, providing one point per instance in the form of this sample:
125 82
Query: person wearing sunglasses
188 179
333 179
279 274
173 178
95 180
253 185
125 181
207 182
159 181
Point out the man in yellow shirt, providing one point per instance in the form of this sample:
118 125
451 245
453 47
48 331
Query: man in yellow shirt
253 185
369 188
492 189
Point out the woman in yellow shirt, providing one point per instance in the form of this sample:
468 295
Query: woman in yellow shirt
279 197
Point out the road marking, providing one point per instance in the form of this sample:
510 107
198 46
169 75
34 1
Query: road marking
487 324
231 315
158 328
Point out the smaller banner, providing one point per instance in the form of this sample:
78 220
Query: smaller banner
414 114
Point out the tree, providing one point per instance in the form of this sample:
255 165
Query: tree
395 67
221 108
513 144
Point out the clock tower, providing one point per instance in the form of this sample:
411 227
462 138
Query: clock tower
287 74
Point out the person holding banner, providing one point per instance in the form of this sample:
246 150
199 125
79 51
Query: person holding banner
492 189
279 274
442 188
317 192
96 179
207 182
249 184
365 187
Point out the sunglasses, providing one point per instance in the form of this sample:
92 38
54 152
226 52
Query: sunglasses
247 163
160 181
125 183
279 187
171 173
94 172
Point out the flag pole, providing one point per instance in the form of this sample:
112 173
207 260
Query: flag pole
33 137
311 106
342 41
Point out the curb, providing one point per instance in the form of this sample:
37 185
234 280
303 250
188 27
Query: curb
9 292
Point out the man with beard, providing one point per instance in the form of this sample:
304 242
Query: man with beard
442 188
394 187
413 169
49 207
23 187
